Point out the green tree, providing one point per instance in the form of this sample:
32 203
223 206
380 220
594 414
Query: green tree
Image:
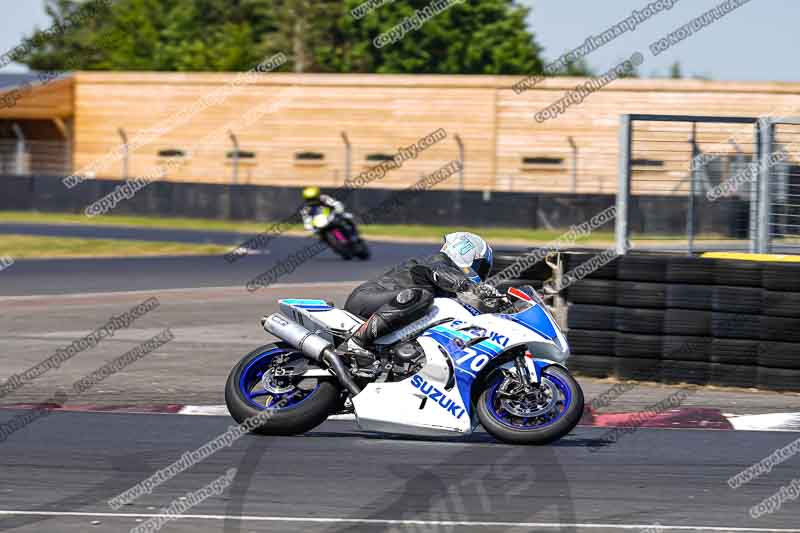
469 37
675 71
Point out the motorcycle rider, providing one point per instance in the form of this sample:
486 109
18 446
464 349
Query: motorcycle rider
313 200
406 292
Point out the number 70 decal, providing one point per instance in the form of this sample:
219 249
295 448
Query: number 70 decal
479 360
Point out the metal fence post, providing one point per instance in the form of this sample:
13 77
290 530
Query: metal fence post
460 143
690 222
20 155
765 153
348 154
574 179
623 185
125 153
236 152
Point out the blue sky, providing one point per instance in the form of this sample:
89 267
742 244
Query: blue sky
759 41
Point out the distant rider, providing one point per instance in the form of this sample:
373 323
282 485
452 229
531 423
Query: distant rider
314 200
406 292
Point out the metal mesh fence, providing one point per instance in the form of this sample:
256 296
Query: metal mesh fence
676 180
784 187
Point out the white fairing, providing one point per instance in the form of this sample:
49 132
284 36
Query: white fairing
430 402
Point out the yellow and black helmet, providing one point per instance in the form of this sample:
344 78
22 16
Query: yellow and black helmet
311 193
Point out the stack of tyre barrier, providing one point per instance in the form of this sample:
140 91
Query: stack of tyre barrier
687 319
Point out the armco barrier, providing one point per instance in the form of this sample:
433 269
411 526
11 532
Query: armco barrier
440 206
673 319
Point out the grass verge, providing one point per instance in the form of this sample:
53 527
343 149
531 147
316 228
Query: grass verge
30 247
399 231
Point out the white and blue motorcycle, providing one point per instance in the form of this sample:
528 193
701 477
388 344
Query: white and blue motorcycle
441 375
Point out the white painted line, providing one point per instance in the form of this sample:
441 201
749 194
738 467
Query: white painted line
80 295
388 522
766 422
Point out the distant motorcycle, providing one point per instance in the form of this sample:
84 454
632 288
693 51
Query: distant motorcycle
340 233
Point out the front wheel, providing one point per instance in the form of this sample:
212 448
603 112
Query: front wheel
268 383
362 251
545 414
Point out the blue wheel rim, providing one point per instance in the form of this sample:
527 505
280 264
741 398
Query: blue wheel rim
252 374
506 418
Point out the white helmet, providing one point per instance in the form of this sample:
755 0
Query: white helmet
470 253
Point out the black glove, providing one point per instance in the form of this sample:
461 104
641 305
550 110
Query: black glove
487 291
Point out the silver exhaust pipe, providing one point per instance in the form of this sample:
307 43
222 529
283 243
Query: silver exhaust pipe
311 345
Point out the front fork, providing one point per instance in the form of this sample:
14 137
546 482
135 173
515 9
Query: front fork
526 370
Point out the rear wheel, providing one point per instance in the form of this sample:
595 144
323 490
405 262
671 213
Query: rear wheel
266 382
547 413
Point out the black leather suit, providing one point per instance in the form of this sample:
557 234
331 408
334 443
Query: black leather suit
404 294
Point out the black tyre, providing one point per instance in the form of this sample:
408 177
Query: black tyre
555 409
747 300
687 270
779 355
734 375
781 277
589 342
689 297
593 366
642 268
736 326
596 292
581 316
638 346
780 329
362 250
685 372
735 352
738 273
647 321
778 379
778 303
686 348
685 322
641 295
637 368
296 406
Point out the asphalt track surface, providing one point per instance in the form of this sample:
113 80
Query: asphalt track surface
57 473
64 276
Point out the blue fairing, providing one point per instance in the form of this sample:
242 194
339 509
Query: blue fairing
537 319
464 374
